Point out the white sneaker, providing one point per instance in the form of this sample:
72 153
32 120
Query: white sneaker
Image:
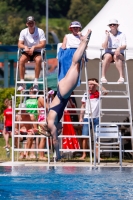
121 80
103 80
21 87
35 88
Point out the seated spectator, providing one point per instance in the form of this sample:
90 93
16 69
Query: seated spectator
24 129
32 102
114 44
42 118
70 43
31 40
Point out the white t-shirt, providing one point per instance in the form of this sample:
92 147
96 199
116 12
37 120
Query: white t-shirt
72 41
94 106
32 39
115 41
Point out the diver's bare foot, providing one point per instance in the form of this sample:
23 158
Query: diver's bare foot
87 36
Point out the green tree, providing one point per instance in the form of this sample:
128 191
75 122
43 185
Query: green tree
57 8
84 10
59 26
13 16
9 34
4 94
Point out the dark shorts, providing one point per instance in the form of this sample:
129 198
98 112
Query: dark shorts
31 58
25 138
8 128
23 133
112 54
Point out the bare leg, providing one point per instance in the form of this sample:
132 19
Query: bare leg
29 144
106 63
84 146
51 124
7 139
119 64
38 61
3 132
32 117
22 61
4 135
41 146
68 83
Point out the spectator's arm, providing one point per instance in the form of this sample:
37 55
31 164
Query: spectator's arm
4 120
105 43
118 50
21 44
102 89
82 113
37 46
41 103
40 45
64 43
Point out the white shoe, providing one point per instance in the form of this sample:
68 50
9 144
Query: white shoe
35 88
103 80
21 87
121 80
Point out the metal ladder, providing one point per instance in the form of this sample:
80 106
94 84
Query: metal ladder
19 98
118 101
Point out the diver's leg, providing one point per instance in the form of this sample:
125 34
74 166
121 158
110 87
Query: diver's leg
69 82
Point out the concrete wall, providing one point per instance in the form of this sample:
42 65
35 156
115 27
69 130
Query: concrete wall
112 75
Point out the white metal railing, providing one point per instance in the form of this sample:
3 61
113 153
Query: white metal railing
31 149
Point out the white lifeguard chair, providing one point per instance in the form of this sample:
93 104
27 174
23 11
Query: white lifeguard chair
118 101
20 96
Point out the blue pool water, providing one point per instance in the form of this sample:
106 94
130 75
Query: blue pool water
66 183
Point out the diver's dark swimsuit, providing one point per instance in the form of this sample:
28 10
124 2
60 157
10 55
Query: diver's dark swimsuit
59 109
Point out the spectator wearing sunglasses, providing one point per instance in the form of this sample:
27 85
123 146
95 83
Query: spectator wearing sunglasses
70 43
114 44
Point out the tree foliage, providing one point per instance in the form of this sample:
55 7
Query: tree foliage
6 93
84 10
13 15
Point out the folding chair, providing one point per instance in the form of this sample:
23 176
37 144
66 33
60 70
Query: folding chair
107 139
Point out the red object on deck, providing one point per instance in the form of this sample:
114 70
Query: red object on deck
68 129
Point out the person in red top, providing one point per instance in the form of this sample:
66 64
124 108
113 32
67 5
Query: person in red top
92 107
8 121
